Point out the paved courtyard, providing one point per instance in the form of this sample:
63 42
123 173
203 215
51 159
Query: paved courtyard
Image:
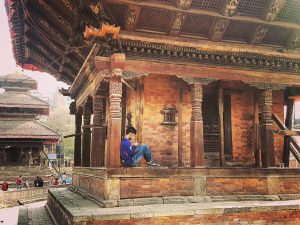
31 214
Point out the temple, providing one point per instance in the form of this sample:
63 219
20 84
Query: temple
22 137
205 84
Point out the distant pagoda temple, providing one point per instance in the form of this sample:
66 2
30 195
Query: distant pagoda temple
21 136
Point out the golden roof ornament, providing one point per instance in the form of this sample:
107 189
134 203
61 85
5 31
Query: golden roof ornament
105 29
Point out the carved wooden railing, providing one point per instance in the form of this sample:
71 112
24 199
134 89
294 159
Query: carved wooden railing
293 146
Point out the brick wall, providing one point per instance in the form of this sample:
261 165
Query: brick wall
236 186
286 217
162 90
242 125
155 187
93 185
242 120
289 185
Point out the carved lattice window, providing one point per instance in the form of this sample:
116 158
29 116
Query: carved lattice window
239 31
155 19
213 5
117 13
252 7
277 36
197 24
290 11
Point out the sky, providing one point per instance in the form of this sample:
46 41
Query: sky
47 84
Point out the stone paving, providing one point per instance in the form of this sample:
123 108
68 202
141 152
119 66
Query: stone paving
34 214
83 209
31 214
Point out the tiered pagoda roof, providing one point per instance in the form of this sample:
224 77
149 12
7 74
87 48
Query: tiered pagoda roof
245 34
11 129
18 110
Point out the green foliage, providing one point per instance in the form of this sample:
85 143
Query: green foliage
61 121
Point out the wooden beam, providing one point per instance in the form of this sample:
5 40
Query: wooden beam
139 108
227 124
180 128
89 90
266 128
218 29
294 145
77 139
53 35
272 10
132 17
72 36
288 133
289 125
45 27
206 13
98 133
86 135
52 59
190 70
57 18
255 130
85 69
114 122
221 126
207 45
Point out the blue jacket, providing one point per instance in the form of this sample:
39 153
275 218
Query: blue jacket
127 152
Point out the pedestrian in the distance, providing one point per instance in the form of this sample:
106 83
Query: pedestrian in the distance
19 182
4 186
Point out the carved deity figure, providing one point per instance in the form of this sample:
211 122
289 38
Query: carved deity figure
131 16
230 8
178 22
274 10
184 4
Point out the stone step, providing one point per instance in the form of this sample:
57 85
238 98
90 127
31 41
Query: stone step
71 208
32 200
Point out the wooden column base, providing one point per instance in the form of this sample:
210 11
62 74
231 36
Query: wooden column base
114 141
267 145
197 144
77 150
86 147
98 147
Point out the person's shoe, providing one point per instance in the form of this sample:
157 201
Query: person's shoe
151 163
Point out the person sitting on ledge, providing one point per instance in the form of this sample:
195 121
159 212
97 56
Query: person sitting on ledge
131 155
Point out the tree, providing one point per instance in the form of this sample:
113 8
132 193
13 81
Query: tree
61 121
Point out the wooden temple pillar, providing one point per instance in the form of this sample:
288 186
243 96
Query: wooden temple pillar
115 111
98 133
86 135
77 140
266 136
289 125
266 128
115 119
196 126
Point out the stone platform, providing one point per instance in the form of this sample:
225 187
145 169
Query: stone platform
71 208
122 186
